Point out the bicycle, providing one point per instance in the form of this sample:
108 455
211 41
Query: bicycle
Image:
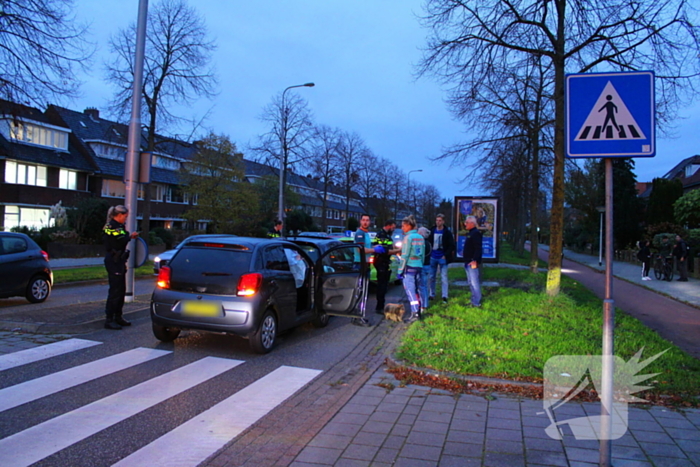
663 268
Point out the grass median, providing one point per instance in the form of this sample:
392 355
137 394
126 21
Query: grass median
94 273
519 327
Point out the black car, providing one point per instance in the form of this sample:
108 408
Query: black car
24 268
163 258
256 288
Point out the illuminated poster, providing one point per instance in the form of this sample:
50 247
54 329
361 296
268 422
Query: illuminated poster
486 212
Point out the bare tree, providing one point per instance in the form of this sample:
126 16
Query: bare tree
40 49
176 70
353 153
324 163
470 37
289 140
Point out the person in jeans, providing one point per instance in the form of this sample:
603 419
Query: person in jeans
680 251
411 267
442 243
472 259
425 276
382 261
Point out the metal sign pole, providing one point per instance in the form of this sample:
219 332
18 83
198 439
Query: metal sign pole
131 164
607 370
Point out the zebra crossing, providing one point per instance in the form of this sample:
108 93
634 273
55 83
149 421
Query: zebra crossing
186 445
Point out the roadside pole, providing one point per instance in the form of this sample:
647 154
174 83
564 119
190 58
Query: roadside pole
131 165
608 364
609 115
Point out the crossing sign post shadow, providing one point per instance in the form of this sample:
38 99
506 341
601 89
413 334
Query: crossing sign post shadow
610 115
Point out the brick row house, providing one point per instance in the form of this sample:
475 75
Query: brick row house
62 155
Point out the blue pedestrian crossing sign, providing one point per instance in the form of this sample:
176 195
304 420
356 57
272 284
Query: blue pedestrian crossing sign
610 115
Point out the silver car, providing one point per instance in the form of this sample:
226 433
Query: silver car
256 288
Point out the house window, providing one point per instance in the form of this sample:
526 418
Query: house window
113 189
33 218
336 214
68 180
30 133
329 214
176 195
24 174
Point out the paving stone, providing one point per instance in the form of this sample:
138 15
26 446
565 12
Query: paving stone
678 433
499 459
665 450
651 436
582 455
388 417
317 455
430 427
378 427
548 458
427 453
535 432
330 441
360 451
465 436
468 425
346 462
342 429
499 445
406 419
389 407
456 461
626 452
351 418
535 421
666 462
541 444
394 442
463 449
401 430
505 414
427 439
387 455
410 462
411 409
505 435
369 439
690 446
394 398
502 423
430 416
358 409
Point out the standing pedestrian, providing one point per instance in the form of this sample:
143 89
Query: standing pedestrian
644 255
442 243
411 267
276 230
680 251
426 272
115 238
382 261
472 259
363 239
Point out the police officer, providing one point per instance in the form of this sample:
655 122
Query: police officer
276 230
116 238
382 261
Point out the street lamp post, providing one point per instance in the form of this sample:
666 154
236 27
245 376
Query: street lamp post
285 150
409 186
601 210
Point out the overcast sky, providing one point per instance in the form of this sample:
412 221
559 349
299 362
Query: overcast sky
361 54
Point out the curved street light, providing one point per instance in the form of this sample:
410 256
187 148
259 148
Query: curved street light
285 149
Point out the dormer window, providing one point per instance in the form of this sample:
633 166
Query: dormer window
37 134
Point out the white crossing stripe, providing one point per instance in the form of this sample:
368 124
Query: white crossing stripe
40 441
41 387
35 354
192 442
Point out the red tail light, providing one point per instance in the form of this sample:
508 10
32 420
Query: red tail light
371 259
249 284
164 277
45 255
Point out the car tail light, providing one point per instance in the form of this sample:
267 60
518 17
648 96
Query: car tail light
45 255
249 284
164 277
371 259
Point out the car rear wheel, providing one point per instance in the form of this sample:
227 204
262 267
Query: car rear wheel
165 334
263 340
38 289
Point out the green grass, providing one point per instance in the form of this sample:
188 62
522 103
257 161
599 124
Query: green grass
506 254
518 328
93 273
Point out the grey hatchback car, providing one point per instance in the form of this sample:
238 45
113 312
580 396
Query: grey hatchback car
24 268
256 288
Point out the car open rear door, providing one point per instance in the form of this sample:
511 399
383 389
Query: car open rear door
343 279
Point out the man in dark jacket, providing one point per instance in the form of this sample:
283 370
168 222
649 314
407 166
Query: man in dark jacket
443 246
472 259
115 238
276 230
680 251
382 262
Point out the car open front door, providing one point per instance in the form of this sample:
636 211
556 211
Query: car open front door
343 279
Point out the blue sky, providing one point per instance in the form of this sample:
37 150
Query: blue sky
361 55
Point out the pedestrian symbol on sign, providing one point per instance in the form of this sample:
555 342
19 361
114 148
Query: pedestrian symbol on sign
609 119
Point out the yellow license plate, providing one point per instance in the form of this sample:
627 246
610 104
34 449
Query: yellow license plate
199 308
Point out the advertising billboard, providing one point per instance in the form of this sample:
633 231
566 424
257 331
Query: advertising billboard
485 209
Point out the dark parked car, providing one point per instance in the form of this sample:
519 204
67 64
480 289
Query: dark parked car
163 258
24 268
256 288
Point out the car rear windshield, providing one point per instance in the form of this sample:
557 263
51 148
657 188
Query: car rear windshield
214 270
